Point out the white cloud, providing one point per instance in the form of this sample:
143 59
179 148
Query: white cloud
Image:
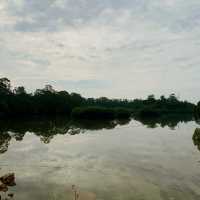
142 46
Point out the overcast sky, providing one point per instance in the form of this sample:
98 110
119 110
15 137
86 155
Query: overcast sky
114 48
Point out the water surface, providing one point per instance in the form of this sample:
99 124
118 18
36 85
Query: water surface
118 160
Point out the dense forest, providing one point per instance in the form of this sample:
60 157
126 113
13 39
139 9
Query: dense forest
197 110
47 101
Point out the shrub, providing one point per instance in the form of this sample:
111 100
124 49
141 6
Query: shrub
148 112
93 113
122 113
100 113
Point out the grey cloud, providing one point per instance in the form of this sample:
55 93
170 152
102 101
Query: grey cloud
50 15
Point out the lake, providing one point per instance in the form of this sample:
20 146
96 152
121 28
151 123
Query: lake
55 159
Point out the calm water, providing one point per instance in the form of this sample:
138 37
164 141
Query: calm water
148 160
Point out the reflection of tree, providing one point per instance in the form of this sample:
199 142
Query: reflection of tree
75 131
123 122
95 124
46 139
7 181
46 129
171 121
197 119
80 126
4 142
196 138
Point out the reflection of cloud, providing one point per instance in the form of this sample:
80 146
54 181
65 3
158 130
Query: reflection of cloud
103 40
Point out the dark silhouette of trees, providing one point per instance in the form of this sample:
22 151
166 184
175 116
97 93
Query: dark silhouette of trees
5 86
170 121
47 127
48 101
197 110
196 138
151 98
100 113
19 90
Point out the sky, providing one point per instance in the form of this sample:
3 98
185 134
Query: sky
114 48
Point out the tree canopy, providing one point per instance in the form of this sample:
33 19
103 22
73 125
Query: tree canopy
48 101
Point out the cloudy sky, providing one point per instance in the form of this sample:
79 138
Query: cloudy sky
114 48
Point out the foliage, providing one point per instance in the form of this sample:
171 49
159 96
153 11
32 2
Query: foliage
196 138
93 113
100 113
197 110
48 101
148 112
171 121
121 113
47 127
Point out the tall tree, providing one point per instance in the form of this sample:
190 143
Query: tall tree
19 90
5 86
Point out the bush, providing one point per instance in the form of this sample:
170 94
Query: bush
93 113
148 112
196 138
47 101
99 113
121 113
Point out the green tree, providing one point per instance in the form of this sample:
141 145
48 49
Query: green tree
5 86
162 98
151 98
20 90
173 98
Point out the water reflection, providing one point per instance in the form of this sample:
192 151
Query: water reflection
168 121
196 138
4 142
125 163
7 181
46 129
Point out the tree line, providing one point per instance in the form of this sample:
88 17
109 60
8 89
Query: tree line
47 101
197 110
